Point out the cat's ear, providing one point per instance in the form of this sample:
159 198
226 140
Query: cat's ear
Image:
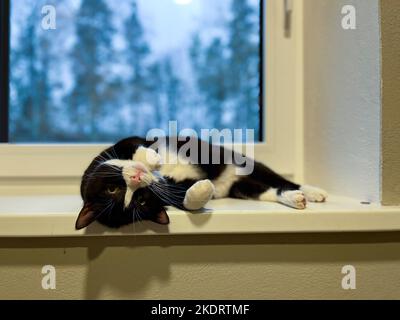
86 217
161 217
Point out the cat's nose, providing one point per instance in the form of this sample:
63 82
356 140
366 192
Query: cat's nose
137 177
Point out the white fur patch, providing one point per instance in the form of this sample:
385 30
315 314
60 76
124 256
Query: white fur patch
180 172
225 181
198 195
270 195
128 197
314 194
148 157
293 198
179 169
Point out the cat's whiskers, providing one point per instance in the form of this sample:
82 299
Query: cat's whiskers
106 208
166 197
95 176
101 159
176 193
110 170
108 155
137 213
179 192
136 218
147 179
114 153
104 174
171 186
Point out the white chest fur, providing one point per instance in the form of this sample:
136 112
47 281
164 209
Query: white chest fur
178 168
225 181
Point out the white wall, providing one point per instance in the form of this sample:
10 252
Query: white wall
342 98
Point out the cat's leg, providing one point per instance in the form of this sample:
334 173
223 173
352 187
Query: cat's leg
287 191
198 195
248 188
148 157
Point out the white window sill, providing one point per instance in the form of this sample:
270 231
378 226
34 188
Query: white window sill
47 216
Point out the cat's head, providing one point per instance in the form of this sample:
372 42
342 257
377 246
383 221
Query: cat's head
117 192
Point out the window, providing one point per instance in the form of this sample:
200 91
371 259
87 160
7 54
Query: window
110 69
70 133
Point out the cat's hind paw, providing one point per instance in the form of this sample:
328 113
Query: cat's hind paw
198 195
314 194
293 198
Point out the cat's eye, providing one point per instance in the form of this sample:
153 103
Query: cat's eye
141 200
112 190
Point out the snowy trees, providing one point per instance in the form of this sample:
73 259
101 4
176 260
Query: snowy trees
78 86
91 57
211 70
31 84
244 64
228 71
138 52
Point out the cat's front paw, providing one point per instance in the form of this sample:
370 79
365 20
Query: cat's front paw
198 195
149 157
314 194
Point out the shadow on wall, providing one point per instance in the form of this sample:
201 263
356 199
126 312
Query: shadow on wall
198 218
134 266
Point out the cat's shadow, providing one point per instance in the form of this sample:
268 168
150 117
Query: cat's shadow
128 269
106 267
151 260
197 218
138 228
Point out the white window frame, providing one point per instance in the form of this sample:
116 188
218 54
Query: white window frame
57 168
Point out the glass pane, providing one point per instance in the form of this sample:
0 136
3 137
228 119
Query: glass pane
98 70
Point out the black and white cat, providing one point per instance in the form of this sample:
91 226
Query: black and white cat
129 182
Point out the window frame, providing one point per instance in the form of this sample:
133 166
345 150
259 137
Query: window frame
281 149
4 74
